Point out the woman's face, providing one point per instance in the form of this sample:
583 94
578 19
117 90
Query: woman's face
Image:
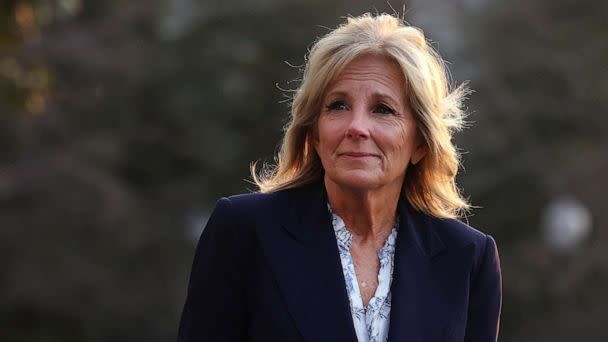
366 133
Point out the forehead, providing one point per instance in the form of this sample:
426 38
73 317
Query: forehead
371 71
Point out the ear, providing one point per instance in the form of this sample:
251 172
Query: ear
419 152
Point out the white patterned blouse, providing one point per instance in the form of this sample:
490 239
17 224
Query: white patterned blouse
371 323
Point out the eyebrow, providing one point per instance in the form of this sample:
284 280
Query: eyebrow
375 94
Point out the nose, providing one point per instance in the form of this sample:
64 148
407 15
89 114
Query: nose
358 126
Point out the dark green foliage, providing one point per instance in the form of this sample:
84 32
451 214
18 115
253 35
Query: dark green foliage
120 128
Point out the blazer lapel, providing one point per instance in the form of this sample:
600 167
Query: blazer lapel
303 255
425 281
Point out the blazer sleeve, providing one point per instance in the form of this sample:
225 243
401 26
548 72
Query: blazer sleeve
485 297
215 308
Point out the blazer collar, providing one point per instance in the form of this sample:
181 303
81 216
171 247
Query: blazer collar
416 231
303 254
308 217
427 279
305 260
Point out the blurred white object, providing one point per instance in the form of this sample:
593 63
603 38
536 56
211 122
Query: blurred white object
566 224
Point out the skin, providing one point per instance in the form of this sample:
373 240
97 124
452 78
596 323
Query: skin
366 137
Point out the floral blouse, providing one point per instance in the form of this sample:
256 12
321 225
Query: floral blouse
371 323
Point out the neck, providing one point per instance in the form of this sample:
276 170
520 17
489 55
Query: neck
368 213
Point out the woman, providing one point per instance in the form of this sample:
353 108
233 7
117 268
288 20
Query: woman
353 236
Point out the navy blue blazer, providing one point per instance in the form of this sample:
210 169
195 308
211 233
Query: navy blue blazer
267 268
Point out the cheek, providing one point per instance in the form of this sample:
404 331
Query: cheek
405 141
397 137
398 142
328 134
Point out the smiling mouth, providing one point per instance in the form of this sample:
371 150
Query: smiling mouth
357 154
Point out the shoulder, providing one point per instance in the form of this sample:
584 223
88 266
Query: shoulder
457 235
235 221
256 206
231 225
277 203
247 209
256 201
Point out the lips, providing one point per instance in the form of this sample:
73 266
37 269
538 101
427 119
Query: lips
357 154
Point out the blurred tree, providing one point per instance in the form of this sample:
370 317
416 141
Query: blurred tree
122 121
540 77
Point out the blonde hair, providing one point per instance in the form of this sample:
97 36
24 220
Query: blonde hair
429 185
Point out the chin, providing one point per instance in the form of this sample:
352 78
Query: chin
357 180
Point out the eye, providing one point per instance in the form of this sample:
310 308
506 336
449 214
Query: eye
336 105
384 109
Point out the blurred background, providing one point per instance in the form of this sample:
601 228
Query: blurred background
122 122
